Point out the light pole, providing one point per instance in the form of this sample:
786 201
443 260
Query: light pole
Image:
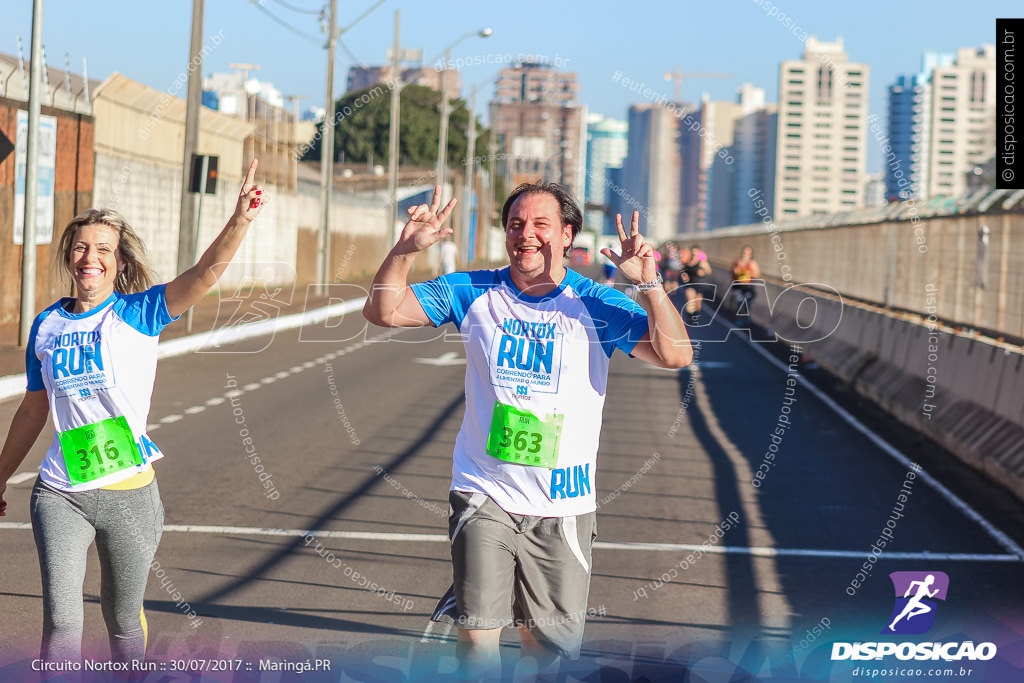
391 234
396 91
442 143
245 69
327 153
294 139
468 184
28 242
468 181
334 32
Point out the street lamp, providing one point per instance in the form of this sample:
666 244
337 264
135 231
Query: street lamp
396 91
468 186
334 33
245 69
442 144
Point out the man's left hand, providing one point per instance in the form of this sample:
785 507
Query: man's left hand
636 259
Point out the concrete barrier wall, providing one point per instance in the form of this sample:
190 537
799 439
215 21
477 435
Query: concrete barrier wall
977 283
964 392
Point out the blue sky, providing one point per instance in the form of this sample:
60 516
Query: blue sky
148 41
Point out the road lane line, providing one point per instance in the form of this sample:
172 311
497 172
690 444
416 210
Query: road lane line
599 545
265 381
954 500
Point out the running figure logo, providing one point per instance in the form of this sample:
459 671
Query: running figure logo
916 592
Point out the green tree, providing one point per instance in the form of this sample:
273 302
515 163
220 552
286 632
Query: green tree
362 126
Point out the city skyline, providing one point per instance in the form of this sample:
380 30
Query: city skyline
642 45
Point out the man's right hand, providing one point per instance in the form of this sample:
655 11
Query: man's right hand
424 227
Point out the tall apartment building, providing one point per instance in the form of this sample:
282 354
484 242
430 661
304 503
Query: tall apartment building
821 142
607 141
653 178
707 201
963 115
909 130
753 148
734 153
540 125
941 124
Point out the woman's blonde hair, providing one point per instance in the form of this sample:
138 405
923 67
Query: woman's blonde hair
137 276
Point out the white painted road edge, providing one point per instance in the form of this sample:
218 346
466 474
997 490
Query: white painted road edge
14 385
954 500
598 545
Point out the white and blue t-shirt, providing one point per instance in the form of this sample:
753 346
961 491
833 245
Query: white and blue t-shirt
548 355
94 366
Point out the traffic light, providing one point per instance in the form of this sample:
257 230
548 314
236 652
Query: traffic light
200 181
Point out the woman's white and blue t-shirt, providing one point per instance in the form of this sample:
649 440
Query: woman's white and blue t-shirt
536 375
97 366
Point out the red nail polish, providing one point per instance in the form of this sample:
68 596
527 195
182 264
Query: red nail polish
259 191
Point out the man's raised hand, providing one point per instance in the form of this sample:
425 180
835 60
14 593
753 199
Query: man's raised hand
424 228
636 260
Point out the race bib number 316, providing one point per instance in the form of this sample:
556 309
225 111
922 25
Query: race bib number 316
524 438
99 449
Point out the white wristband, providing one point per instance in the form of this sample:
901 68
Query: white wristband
646 286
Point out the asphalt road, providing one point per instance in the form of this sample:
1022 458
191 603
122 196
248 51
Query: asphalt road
354 427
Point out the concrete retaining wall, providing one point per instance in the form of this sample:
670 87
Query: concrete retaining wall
965 393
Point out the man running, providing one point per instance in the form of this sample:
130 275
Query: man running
539 339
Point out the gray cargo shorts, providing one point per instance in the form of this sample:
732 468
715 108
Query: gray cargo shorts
518 570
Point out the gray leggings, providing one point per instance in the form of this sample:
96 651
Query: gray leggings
127 526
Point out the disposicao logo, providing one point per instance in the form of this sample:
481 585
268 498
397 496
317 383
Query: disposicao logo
916 596
916 593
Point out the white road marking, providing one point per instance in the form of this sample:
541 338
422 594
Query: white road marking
599 545
703 365
951 498
22 477
269 379
444 360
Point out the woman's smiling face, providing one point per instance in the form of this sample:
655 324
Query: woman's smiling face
95 260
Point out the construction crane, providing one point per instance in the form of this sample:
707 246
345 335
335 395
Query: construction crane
678 75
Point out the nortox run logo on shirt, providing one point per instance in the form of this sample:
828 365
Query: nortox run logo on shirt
77 362
77 353
526 356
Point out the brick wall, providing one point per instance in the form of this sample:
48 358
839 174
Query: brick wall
73 190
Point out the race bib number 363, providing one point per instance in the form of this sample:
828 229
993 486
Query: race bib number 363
522 437
99 449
